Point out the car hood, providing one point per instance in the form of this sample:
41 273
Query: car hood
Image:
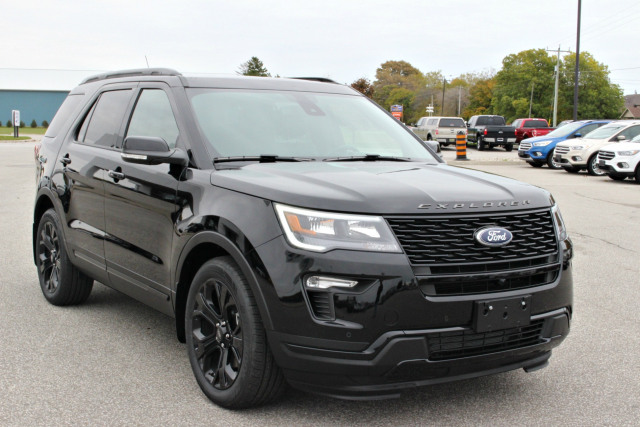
622 146
381 187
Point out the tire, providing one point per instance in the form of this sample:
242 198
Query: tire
429 137
536 164
61 282
592 166
616 177
637 175
481 145
508 147
552 163
226 341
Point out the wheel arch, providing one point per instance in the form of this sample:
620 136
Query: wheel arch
201 248
43 204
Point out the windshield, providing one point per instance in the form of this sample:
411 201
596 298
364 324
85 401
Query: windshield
565 130
604 131
300 124
490 121
452 123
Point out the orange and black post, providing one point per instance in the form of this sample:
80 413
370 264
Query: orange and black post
461 146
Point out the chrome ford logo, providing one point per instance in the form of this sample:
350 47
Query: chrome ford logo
493 236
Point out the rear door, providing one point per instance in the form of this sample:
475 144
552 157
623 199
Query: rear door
140 203
83 161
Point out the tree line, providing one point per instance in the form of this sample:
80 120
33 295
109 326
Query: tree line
523 87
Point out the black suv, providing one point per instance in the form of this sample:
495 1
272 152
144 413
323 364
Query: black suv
298 234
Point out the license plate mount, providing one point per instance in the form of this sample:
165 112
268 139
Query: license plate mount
498 314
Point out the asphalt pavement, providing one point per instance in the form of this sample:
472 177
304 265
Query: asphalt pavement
113 361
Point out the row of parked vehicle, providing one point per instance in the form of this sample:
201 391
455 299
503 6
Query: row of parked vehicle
602 147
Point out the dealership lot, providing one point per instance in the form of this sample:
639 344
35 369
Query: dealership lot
113 361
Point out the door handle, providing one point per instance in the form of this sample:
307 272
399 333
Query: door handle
116 175
65 160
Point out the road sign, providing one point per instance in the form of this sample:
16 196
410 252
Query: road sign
396 109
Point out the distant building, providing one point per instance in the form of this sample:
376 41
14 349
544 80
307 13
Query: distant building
631 107
38 105
36 93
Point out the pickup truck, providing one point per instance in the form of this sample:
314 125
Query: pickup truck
490 131
528 128
441 129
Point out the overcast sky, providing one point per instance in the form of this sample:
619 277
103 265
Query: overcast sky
343 40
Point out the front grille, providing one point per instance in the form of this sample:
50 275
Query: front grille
480 284
446 240
524 146
457 344
561 149
606 155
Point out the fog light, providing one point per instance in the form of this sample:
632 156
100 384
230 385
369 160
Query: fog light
577 158
623 165
320 282
537 153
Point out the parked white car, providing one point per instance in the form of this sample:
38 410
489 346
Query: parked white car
441 129
621 160
582 153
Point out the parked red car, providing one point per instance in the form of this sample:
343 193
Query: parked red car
527 128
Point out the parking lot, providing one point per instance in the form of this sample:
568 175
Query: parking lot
114 361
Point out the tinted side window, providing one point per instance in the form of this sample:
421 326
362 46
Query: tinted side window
105 119
535 124
153 117
452 123
65 110
630 132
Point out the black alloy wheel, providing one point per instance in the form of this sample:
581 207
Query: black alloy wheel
217 334
61 282
226 340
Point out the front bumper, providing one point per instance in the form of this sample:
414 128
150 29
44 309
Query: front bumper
619 165
574 158
402 360
390 333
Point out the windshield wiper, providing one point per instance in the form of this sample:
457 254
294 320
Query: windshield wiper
263 158
368 158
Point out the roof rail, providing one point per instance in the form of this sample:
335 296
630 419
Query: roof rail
138 72
316 79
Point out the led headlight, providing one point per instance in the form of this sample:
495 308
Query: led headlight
628 153
578 147
323 231
561 229
541 143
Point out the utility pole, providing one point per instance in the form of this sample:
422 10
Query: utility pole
531 100
444 84
459 98
577 73
555 91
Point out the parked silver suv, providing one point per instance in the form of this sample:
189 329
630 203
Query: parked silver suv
441 129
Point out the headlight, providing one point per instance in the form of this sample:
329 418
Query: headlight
578 147
561 229
323 231
628 153
541 143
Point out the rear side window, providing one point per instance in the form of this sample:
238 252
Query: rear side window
64 112
452 123
588 128
153 117
630 132
516 123
102 125
535 124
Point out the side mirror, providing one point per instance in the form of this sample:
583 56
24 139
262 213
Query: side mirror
151 150
468 125
621 137
577 135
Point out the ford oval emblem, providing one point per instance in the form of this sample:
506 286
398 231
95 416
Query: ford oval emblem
493 236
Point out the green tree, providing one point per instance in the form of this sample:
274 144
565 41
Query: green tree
598 98
404 97
363 86
34 124
520 73
9 124
480 97
253 67
45 124
396 74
